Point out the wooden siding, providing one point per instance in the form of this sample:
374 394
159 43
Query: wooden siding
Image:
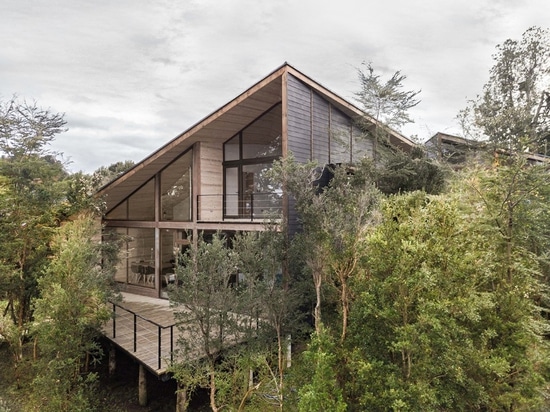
299 119
362 145
211 181
340 137
319 131
321 117
299 133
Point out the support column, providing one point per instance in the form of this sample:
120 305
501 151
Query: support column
112 360
142 386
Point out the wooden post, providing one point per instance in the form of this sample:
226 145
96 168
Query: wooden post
181 398
142 386
112 360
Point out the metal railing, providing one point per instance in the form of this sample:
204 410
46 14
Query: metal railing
159 327
250 207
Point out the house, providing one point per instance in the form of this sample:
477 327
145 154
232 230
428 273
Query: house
212 177
457 151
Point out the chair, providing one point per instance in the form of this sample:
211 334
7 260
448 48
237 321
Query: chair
136 272
149 274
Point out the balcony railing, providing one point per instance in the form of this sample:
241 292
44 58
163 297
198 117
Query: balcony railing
143 335
253 207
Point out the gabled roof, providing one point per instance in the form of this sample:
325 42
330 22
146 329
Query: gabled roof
224 123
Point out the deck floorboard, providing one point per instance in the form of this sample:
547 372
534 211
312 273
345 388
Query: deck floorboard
156 310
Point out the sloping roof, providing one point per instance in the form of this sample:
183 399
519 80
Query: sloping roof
224 123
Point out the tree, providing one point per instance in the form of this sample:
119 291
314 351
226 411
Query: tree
274 301
513 111
386 103
407 172
105 174
322 392
439 323
207 312
32 203
70 314
334 221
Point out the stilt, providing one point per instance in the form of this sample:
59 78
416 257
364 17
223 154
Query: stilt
142 386
181 398
112 360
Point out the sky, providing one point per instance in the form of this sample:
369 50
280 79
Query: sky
130 75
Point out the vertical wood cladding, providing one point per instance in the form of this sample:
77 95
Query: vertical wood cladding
319 131
211 181
340 137
299 119
362 144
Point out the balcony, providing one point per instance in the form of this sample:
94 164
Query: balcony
251 207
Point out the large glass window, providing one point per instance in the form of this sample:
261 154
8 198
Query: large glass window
141 205
248 156
231 149
119 213
137 257
173 243
231 191
261 196
176 190
263 137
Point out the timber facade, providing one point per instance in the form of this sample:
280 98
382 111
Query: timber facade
213 176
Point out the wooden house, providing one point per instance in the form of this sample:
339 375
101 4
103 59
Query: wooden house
457 151
212 177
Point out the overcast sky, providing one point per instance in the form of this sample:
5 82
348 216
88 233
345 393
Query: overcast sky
130 75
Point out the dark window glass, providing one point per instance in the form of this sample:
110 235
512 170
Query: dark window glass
176 190
141 205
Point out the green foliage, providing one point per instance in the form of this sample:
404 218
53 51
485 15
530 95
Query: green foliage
69 316
403 172
508 111
31 205
106 174
235 310
445 318
211 317
385 102
334 220
322 392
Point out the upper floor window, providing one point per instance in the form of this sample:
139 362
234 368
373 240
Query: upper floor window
248 156
261 139
176 194
176 190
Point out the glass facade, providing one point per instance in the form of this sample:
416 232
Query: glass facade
141 205
137 258
248 191
138 264
177 190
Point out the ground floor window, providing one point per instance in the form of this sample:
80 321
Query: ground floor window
137 256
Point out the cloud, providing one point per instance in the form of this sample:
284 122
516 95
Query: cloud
132 74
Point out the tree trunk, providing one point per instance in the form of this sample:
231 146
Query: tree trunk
182 400
213 405
345 309
317 280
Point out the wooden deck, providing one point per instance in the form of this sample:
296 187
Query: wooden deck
138 323
144 327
